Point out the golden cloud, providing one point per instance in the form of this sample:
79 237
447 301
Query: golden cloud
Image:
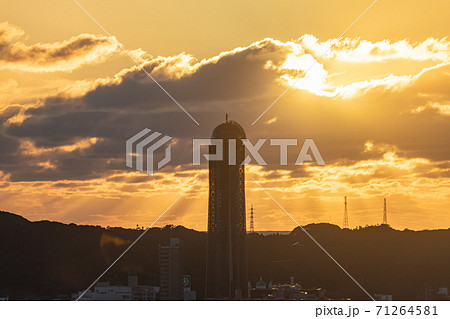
363 51
28 148
66 55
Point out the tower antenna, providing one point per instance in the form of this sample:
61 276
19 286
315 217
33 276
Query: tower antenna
252 226
385 222
345 213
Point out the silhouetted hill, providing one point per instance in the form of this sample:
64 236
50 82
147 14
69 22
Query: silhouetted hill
383 260
40 260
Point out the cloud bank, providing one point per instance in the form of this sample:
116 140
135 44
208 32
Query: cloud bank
62 56
377 111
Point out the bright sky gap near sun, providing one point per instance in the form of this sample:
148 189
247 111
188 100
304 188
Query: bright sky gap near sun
377 105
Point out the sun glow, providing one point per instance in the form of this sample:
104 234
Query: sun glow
304 72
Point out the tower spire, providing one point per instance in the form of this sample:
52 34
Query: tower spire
345 213
226 117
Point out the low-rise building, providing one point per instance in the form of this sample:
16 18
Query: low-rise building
381 297
291 291
104 291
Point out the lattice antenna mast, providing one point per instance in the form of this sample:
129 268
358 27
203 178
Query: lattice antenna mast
385 213
345 213
252 226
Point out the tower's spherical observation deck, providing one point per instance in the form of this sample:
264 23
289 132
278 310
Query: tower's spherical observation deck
228 130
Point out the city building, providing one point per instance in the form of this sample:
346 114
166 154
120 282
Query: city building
170 271
440 293
291 291
260 284
226 272
381 297
104 291
188 293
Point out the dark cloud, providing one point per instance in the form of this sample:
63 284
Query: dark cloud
240 83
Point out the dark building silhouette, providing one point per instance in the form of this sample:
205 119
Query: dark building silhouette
226 272
170 271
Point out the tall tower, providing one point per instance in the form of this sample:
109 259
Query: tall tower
252 226
345 213
226 267
385 213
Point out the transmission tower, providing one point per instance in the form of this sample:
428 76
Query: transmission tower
385 213
345 213
252 226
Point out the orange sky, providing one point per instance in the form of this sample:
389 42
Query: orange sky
377 105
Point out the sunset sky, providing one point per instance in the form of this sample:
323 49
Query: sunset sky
377 105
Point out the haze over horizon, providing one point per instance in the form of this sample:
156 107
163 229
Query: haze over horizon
377 104
265 231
